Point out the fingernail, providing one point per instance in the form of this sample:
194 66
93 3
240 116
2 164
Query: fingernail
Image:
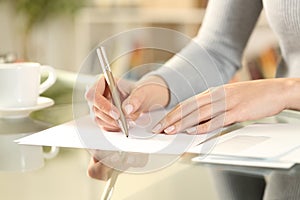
156 128
128 109
114 115
169 129
191 130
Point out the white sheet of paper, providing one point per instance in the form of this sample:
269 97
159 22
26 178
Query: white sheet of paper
293 155
262 141
243 162
84 133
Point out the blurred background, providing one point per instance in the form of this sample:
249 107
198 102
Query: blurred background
61 33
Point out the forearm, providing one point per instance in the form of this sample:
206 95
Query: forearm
190 72
212 58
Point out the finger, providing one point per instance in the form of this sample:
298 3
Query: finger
215 123
137 159
104 117
106 126
89 95
134 116
106 106
123 161
200 115
110 129
100 155
100 85
96 95
181 110
124 87
107 123
133 102
116 161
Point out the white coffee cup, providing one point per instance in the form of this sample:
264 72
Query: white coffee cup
21 158
20 83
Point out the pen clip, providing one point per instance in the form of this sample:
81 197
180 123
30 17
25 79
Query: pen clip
103 59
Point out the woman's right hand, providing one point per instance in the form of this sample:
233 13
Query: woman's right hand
147 94
103 162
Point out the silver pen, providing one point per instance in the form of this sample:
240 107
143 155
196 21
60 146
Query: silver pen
110 185
113 88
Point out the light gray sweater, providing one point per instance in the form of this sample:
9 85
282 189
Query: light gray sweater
213 57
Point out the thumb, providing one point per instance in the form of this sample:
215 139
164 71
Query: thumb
134 102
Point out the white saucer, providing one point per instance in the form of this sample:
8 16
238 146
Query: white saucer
43 102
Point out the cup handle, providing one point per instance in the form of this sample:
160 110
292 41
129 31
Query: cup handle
50 80
52 153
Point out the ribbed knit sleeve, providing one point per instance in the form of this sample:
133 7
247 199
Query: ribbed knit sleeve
284 19
215 54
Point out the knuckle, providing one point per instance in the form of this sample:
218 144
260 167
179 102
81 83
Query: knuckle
173 115
91 172
95 172
169 118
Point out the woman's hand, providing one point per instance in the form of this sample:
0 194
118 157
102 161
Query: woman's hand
230 103
97 170
148 94
100 99
103 162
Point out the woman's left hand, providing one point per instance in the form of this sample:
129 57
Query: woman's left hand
225 105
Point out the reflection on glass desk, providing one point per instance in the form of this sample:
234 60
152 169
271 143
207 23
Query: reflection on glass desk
240 182
64 177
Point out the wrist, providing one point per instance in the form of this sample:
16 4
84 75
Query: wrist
292 93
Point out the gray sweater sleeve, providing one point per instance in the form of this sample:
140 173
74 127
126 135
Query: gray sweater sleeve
214 55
